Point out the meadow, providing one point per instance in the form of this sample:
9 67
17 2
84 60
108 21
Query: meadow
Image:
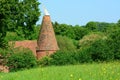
94 71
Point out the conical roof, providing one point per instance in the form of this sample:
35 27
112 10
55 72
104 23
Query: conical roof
46 39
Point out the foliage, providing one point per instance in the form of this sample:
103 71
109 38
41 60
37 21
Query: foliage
118 23
64 30
2 57
45 61
13 36
111 29
79 32
83 56
19 16
3 43
66 58
100 51
65 43
114 42
5 53
97 51
87 40
74 32
98 26
63 58
91 25
103 26
22 59
34 36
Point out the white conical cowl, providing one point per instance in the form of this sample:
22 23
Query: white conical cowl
45 11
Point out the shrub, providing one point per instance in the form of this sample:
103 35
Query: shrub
45 61
4 54
63 58
66 58
13 36
100 51
84 56
23 59
65 43
87 40
114 42
59 58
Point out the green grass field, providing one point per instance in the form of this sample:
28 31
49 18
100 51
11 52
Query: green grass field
95 71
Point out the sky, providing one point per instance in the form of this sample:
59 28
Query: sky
80 12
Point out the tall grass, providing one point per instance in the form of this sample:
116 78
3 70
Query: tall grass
95 71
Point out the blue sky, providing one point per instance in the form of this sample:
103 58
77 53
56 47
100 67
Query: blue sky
82 11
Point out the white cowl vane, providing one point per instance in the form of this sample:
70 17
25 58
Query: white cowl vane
45 11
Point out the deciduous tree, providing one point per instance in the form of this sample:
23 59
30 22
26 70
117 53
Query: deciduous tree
16 13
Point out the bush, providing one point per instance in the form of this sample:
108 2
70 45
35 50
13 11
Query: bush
65 43
45 61
100 51
66 58
89 39
84 56
59 58
4 54
114 42
63 58
23 59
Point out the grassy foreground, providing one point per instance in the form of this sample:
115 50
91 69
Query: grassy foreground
101 71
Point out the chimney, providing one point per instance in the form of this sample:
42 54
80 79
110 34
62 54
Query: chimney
46 43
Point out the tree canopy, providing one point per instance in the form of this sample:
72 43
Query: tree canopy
19 16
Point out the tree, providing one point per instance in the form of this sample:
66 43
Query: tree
16 13
79 32
74 32
99 26
114 42
92 26
118 23
64 30
102 26
100 51
89 39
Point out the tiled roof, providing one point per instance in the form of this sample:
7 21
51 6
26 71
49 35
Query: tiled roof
47 40
27 44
